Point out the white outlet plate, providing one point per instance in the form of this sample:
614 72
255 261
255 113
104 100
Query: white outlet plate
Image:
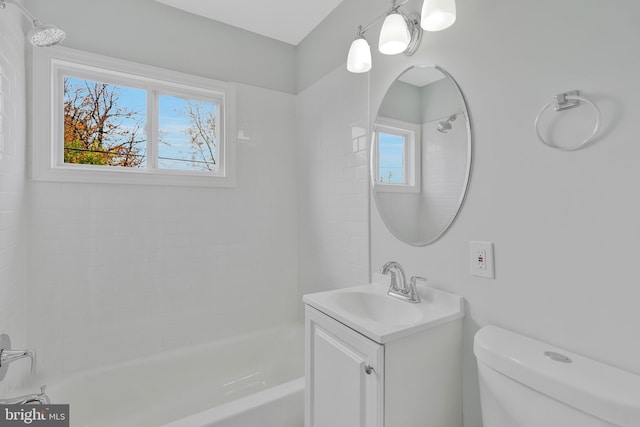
481 257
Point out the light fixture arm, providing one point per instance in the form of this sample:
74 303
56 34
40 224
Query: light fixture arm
397 35
396 5
413 23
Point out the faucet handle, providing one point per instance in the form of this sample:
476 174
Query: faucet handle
413 291
414 278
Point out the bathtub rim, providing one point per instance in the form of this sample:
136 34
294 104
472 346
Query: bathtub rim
236 407
55 382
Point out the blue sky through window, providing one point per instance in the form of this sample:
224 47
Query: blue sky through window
175 150
128 112
391 158
175 126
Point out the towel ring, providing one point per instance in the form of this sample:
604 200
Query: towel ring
562 102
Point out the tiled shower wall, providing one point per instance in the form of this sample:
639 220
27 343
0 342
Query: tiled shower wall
120 271
333 173
12 183
123 271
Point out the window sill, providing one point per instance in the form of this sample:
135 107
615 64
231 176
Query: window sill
136 177
396 188
49 67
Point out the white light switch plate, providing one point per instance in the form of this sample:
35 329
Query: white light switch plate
481 254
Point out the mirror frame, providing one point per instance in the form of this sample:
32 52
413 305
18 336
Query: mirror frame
469 162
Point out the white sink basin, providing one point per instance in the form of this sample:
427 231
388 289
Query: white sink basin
369 310
377 308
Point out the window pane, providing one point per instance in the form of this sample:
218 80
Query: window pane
188 131
391 169
104 124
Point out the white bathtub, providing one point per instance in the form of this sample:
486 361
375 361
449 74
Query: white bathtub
252 380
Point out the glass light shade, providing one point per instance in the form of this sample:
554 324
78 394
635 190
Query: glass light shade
359 58
394 35
438 14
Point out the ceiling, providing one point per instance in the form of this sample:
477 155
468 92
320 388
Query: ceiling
421 76
286 20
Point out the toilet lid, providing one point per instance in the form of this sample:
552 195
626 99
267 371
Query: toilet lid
593 387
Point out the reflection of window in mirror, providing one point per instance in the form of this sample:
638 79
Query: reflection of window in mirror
396 156
392 152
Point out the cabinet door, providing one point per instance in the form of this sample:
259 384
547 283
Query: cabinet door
344 375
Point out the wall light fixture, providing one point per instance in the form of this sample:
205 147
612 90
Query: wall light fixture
42 35
359 59
438 15
400 33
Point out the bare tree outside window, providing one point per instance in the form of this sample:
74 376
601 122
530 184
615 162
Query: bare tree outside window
104 125
188 130
202 135
101 128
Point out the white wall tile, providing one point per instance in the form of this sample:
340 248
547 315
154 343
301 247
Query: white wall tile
12 182
145 268
333 176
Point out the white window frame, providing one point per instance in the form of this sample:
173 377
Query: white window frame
412 155
52 64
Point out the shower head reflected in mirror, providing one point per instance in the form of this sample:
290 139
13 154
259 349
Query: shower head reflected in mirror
42 35
445 125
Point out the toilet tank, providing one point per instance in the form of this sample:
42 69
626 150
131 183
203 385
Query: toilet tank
528 383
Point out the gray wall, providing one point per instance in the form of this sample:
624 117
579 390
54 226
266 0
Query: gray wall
327 46
151 33
575 214
402 102
565 225
446 92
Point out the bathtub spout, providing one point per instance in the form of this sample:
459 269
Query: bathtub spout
8 356
36 398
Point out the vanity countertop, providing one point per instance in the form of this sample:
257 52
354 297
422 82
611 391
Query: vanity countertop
382 318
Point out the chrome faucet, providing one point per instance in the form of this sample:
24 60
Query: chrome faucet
398 287
37 398
8 356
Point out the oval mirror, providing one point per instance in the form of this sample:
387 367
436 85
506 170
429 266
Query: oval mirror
421 155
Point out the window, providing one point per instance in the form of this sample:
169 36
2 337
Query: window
392 153
103 124
99 119
396 156
188 134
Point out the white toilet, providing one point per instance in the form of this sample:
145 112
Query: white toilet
527 383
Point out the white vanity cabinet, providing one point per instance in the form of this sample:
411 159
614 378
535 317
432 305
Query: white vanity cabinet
360 374
345 375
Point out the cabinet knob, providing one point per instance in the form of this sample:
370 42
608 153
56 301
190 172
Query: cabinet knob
369 369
